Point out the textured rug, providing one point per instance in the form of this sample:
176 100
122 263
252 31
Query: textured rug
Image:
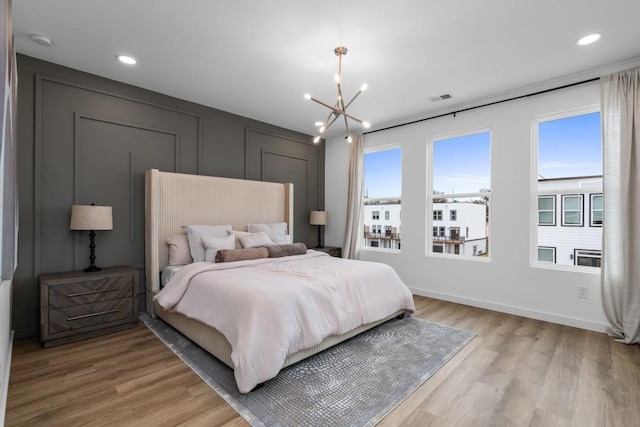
355 383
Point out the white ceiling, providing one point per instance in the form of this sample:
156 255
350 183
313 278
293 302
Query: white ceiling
257 58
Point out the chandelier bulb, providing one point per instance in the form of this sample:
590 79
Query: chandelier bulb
316 139
337 77
349 139
321 129
307 96
319 123
366 124
364 87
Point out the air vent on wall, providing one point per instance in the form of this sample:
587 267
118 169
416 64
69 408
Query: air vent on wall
440 98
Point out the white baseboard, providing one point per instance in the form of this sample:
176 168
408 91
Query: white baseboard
518 311
4 381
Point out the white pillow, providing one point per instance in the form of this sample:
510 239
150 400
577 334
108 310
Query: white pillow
277 232
284 239
195 233
277 229
255 240
236 234
214 244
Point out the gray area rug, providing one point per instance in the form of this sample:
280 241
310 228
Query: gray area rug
355 383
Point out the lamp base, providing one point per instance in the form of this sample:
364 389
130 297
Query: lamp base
92 268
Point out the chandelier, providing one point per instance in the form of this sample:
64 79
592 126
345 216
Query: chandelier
339 108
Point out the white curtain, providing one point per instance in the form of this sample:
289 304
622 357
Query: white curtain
354 198
621 177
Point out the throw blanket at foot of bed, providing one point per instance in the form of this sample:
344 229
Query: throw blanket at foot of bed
269 308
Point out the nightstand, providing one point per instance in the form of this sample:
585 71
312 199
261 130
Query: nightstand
331 250
77 305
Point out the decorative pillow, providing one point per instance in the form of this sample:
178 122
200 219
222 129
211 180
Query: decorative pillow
277 251
278 229
277 232
254 240
228 255
195 233
179 253
214 244
236 234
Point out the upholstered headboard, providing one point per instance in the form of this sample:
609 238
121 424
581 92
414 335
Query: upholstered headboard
173 200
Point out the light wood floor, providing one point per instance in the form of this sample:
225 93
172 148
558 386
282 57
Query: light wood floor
517 372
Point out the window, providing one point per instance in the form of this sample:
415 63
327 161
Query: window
588 258
382 192
596 210
460 190
546 254
572 209
567 183
546 210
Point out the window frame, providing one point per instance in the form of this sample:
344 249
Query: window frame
554 198
430 241
576 255
453 215
437 215
590 187
563 223
552 248
591 210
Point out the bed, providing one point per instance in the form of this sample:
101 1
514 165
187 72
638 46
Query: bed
173 200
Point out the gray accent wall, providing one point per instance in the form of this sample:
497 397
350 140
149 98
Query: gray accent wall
84 139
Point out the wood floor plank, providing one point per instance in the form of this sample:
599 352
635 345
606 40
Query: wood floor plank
516 372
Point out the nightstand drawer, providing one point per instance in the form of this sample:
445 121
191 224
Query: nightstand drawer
89 291
83 316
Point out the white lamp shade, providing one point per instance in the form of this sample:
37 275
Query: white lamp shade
90 217
319 218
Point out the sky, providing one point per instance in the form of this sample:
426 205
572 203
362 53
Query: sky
570 147
566 147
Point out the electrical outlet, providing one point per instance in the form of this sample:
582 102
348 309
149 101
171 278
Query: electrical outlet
583 292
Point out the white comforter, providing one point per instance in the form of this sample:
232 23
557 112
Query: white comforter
270 308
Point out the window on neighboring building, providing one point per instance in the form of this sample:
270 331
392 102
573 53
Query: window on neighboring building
572 209
596 210
546 210
588 258
382 192
460 191
567 172
546 254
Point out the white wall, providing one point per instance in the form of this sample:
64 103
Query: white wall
507 282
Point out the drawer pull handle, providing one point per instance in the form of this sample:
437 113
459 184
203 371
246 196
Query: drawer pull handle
91 315
79 294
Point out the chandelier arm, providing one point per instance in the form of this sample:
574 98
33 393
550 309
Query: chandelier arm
352 99
332 108
346 123
344 113
326 128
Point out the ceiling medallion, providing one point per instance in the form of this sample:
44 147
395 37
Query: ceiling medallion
339 108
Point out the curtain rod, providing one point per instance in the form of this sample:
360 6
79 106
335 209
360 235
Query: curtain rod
484 105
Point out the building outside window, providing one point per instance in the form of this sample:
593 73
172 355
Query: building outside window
382 192
572 209
546 210
460 190
567 171
596 210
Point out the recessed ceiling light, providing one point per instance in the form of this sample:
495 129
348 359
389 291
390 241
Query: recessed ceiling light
126 59
591 38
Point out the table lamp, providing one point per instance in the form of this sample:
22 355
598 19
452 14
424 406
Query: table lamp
91 218
319 218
